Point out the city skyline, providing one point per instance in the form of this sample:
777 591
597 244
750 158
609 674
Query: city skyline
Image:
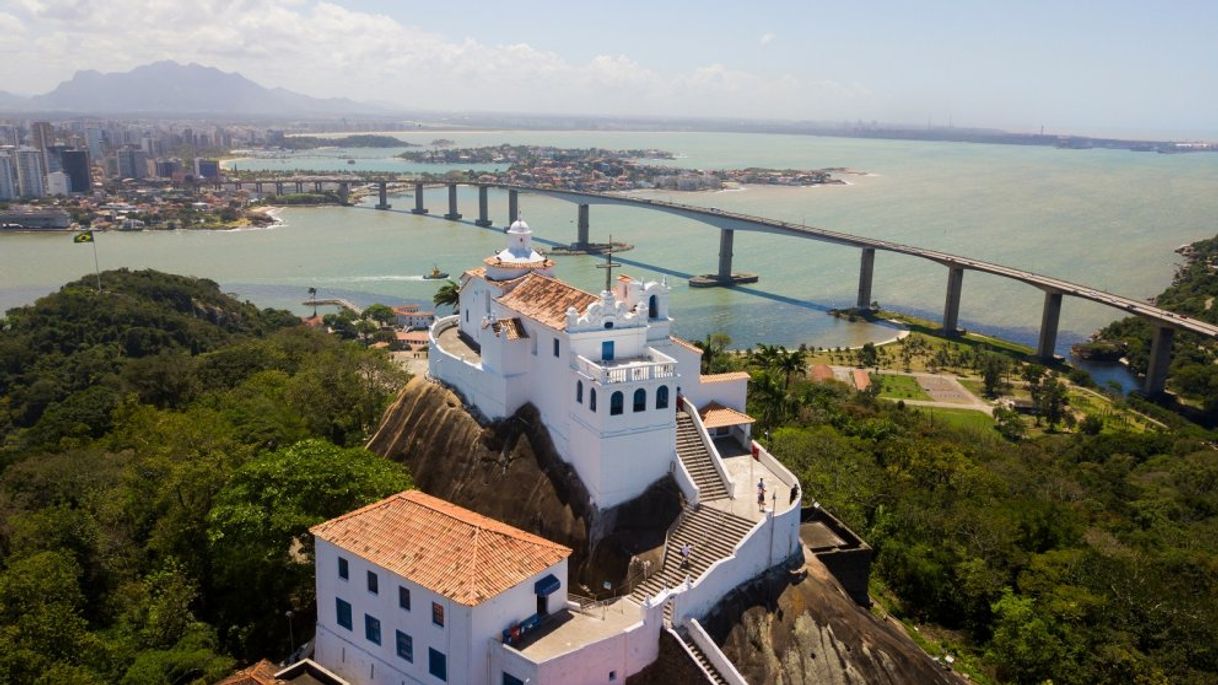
1063 67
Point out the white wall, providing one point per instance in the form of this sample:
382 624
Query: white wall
464 639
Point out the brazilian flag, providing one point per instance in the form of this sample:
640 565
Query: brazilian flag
85 237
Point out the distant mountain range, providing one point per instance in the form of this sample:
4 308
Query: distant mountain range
171 88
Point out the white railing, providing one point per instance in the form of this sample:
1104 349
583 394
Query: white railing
685 481
626 371
710 678
709 443
714 655
781 472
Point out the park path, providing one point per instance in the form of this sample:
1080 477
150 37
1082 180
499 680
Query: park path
945 390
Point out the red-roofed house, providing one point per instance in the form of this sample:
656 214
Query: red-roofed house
415 589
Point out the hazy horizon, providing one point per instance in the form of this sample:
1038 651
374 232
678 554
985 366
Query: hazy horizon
1125 70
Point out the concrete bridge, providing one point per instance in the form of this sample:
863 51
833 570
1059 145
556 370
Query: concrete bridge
1165 323
342 185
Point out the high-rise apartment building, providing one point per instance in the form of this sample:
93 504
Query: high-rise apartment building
8 177
31 174
58 183
76 165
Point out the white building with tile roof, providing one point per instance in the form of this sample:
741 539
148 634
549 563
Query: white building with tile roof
602 369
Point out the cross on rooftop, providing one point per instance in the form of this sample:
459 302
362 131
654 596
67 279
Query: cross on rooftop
608 265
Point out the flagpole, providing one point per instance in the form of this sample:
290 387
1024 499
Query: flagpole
96 268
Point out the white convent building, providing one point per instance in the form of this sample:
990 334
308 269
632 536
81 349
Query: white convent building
415 590
602 369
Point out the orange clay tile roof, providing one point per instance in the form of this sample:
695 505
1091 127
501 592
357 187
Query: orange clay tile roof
822 372
512 329
686 344
724 377
447 549
546 299
715 415
862 380
261 673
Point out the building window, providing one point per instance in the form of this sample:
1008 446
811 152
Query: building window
640 400
344 571
404 597
509 679
373 584
405 645
437 614
608 324
466 316
555 347
662 397
592 399
607 350
579 392
372 629
437 664
344 613
653 308
617 403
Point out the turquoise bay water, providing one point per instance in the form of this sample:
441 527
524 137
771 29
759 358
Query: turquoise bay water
1110 219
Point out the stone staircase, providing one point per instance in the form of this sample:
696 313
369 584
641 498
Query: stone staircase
707 667
698 461
713 535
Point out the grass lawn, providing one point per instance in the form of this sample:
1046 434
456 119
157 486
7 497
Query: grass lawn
960 418
899 387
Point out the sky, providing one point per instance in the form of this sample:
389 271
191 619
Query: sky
1113 67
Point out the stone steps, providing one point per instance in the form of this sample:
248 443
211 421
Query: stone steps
705 663
698 461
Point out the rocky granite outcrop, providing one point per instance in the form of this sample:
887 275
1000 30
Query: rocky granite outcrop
510 471
799 627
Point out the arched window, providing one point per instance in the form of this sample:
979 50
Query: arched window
579 392
592 399
617 403
640 400
662 397
653 308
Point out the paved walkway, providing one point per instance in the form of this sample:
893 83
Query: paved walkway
945 391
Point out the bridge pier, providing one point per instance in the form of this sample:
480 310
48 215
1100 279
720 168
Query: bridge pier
418 199
1048 325
300 186
383 189
484 218
453 214
258 187
951 308
317 186
581 236
513 207
344 192
866 269
278 188
1160 359
726 237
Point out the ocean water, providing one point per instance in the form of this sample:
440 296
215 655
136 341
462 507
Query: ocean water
1109 219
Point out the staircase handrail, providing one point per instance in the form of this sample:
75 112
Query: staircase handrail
690 653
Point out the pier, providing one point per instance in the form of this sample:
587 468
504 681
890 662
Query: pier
335 302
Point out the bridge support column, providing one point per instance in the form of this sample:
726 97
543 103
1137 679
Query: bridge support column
1160 359
1048 325
866 269
258 187
418 200
279 187
300 186
383 189
317 186
513 207
344 192
726 238
453 214
484 218
238 185
581 239
951 308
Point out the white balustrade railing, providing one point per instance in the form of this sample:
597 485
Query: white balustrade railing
626 371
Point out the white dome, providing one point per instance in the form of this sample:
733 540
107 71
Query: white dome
519 226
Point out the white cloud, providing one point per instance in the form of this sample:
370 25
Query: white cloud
767 38
323 49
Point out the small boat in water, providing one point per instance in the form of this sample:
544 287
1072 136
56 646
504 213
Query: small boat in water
435 273
350 161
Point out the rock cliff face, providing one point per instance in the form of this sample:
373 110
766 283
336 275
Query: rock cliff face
509 470
802 629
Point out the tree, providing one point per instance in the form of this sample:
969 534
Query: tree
313 299
713 348
1051 402
449 295
381 314
792 364
993 367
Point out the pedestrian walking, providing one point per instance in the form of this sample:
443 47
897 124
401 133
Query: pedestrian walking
686 550
761 494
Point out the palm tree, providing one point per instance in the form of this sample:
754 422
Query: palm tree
791 364
449 294
712 350
313 299
770 398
